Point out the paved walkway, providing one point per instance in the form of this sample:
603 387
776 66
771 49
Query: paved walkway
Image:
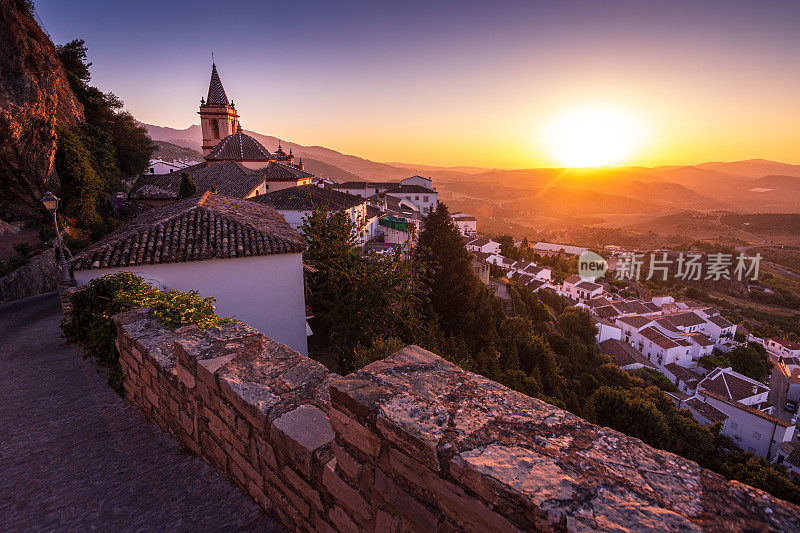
74 456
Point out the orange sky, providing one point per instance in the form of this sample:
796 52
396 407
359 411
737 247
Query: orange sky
460 83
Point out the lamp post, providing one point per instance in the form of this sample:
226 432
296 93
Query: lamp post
50 202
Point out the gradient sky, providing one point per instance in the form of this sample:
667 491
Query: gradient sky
458 83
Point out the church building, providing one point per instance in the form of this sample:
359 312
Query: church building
235 163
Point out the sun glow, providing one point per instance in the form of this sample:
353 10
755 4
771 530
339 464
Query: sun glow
593 137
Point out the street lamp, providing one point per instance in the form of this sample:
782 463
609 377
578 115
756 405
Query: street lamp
50 202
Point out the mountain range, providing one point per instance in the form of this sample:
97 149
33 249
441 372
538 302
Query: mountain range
754 185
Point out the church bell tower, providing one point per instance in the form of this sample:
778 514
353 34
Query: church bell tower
218 117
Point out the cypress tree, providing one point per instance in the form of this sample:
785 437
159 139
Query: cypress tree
187 188
457 299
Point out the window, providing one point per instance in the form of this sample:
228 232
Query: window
757 435
214 128
416 198
425 198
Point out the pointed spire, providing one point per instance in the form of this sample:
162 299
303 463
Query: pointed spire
216 94
238 127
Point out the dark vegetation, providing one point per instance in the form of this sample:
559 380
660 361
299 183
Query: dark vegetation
90 325
750 360
365 309
187 188
93 158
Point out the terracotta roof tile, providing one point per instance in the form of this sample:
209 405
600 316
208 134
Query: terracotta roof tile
239 147
307 198
204 227
624 353
732 385
709 412
228 177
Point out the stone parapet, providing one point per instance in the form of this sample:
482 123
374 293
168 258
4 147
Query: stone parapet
411 442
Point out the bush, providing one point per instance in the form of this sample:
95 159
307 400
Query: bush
91 327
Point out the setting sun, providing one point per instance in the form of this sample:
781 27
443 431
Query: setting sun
593 136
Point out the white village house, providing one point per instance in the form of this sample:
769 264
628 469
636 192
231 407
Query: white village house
242 253
416 192
466 224
487 246
297 203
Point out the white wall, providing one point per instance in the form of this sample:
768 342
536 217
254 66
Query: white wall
425 201
750 432
265 291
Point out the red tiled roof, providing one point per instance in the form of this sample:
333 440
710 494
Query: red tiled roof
652 334
687 375
635 320
731 385
710 412
204 227
624 353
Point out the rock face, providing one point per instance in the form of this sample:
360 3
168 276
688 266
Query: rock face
37 276
34 95
412 443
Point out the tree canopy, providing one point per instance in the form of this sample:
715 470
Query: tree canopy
93 158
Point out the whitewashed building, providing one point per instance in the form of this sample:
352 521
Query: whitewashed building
466 224
578 289
296 204
242 253
487 246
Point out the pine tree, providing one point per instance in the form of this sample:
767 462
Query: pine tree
187 188
457 299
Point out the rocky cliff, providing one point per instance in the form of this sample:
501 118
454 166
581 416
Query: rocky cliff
34 95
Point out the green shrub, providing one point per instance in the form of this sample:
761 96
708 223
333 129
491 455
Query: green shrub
91 327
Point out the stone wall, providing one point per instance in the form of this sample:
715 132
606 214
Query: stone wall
37 276
411 443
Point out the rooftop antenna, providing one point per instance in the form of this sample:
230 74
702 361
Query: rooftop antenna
212 57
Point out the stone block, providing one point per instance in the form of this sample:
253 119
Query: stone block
347 463
214 452
355 434
295 502
343 493
302 487
386 522
242 462
469 513
265 453
300 433
341 521
252 400
185 376
258 495
357 397
215 424
411 470
403 503
206 369
414 426
152 397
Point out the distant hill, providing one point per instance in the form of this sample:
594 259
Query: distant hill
706 187
171 152
753 168
784 183
321 161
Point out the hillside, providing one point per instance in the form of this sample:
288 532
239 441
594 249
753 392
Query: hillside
171 152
